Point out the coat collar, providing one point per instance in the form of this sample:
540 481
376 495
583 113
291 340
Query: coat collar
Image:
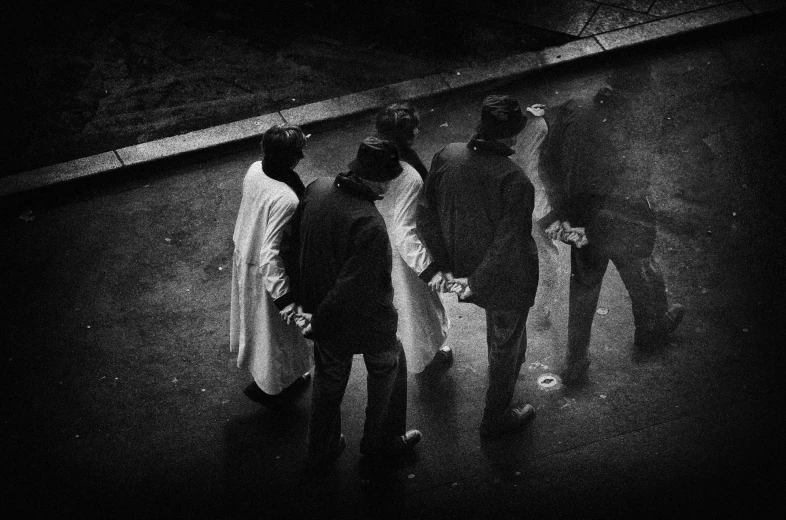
410 156
479 144
351 183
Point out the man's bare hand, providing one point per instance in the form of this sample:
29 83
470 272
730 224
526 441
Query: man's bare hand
287 313
303 322
576 236
537 110
438 282
554 231
460 286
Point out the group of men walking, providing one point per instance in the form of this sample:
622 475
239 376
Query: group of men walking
358 263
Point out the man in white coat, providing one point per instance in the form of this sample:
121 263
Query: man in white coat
262 328
417 279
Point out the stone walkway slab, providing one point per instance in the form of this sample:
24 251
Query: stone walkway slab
672 26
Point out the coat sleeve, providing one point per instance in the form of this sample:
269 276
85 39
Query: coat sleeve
403 229
429 225
358 279
509 241
271 263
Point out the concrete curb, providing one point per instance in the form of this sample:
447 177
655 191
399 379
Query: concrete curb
343 107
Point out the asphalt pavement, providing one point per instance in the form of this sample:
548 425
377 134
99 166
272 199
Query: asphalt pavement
122 399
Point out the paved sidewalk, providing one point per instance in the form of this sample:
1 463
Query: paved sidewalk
600 28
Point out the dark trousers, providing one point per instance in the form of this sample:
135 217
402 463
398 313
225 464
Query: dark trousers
643 280
386 404
506 335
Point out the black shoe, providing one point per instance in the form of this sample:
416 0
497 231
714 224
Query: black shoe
443 360
403 444
257 395
297 386
673 317
574 373
398 446
513 420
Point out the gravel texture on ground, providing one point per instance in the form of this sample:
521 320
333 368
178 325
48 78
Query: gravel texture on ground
95 76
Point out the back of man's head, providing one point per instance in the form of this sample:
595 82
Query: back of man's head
500 118
397 122
282 146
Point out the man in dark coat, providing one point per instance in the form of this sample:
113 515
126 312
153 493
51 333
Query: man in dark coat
595 166
344 287
477 220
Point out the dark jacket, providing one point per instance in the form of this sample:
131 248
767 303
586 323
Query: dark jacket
595 168
477 221
343 274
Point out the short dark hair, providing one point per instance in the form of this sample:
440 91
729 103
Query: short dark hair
281 146
397 122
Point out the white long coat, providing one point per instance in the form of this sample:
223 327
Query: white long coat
275 353
527 156
422 321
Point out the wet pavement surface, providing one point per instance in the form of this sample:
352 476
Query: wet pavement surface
122 399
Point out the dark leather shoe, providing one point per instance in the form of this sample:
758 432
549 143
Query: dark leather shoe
443 359
257 395
298 385
399 446
513 420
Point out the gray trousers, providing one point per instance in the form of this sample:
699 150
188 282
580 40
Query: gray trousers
506 335
643 280
386 402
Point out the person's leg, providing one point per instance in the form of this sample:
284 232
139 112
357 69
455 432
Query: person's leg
386 408
331 374
587 268
506 335
644 281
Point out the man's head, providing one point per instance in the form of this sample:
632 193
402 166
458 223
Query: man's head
500 118
282 147
377 163
399 123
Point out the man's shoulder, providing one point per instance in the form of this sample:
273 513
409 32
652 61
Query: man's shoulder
452 149
455 147
318 187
